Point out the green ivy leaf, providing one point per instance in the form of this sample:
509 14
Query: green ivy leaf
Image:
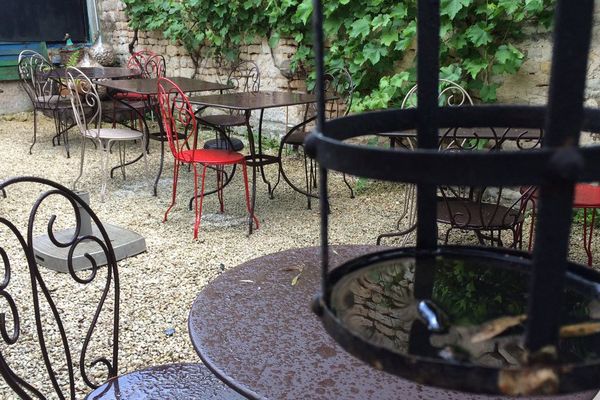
453 7
478 35
361 28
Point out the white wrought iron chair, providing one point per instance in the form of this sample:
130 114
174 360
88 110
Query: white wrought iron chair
87 110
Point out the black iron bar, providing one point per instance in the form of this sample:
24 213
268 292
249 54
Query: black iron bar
428 43
320 124
573 23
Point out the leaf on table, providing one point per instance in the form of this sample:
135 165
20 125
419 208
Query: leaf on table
582 329
496 326
297 277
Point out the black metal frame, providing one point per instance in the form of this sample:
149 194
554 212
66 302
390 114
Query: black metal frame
41 294
555 168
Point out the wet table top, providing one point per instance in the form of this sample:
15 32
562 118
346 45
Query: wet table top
149 86
247 101
100 72
254 328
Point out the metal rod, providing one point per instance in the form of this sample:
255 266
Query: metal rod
320 122
573 24
428 30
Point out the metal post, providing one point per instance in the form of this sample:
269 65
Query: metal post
563 124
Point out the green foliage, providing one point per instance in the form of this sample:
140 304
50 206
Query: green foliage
479 37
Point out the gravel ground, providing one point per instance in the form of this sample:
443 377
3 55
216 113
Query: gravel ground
158 287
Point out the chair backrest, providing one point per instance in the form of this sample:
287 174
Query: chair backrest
338 84
178 118
87 108
155 67
34 73
245 77
57 341
138 60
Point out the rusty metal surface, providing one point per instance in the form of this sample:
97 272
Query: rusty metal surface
254 100
99 72
256 331
150 86
173 381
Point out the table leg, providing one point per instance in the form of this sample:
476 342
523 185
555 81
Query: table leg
262 168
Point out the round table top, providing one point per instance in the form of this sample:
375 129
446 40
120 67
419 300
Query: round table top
100 72
253 327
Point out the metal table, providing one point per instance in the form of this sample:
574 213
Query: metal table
254 329
149 89
98 72
248 102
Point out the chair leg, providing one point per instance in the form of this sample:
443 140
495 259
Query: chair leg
122 158
247 192
308 182
34 130
198 208
105 170
220 187
349 187
80 165
175 178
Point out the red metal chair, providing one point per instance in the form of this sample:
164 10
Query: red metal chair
150 66
181 128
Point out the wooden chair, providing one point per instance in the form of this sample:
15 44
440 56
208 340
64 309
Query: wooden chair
87 111
76 347
181 128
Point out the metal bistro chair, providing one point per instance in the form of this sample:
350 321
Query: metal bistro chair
244 77
180 126
44 93
451 94
339 86
151 66
87 110
74 350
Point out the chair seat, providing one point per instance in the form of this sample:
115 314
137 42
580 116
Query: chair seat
210 156
221 144
297 138
477 215
224 120
130 96
114 134
172 381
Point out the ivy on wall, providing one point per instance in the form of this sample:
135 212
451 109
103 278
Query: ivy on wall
375 40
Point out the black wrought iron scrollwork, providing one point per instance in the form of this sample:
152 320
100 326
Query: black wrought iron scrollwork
43 298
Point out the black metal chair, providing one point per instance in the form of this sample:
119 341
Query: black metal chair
339 88
77 349
244 77
44 91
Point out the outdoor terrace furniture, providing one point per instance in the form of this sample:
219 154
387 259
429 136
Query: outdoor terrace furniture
147 87
181 129
339 87
479 210
44 93
87 111
247 102
244 77
254 328
74 353
586 198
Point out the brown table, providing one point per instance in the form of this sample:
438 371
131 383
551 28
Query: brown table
149 89
248 102
256 332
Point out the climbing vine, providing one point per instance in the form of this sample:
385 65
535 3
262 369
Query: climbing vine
375 40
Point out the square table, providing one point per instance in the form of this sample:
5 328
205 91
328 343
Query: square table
149 88
248 102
